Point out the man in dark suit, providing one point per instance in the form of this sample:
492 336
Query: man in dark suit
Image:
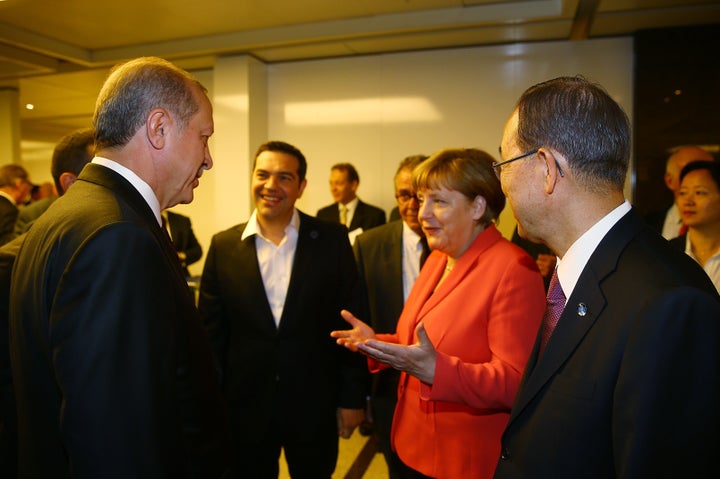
71 154
186 244
15 189
113 371
389 258
271 292
628 382
348 209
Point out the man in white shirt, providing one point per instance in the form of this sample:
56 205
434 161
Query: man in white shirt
271 292
628 381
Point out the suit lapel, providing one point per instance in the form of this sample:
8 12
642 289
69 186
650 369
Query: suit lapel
357 216
582 310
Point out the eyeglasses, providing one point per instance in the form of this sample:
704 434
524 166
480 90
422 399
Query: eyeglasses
404 197
497 165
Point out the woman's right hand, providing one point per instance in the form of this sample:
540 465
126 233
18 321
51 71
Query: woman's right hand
351 338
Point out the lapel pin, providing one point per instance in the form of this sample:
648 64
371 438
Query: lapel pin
582 309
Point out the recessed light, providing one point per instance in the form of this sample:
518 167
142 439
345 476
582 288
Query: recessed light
29 106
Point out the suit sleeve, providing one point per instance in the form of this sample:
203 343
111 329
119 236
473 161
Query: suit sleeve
113 346
192 248
666 417
210 305
354 376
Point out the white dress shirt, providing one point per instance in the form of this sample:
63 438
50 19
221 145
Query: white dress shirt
573 263
351 207
275 261
711 266
412 251
672 224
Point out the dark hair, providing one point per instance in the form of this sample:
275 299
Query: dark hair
410 163
11 172
583 123
349 169
467 170
712 167
286 148
71 154
133 90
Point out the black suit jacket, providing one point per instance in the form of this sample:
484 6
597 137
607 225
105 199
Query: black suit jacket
629 383
294 375
366 216
113 371
379 253
8 215
183 238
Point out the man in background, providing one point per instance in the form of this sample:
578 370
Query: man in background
624 378
113 372
188 248
389 259
70 155
348 209
15 187
271 292
669 221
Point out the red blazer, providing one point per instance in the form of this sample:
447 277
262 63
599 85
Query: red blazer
482 321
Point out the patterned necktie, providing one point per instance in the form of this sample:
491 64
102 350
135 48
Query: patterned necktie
555 305
343 214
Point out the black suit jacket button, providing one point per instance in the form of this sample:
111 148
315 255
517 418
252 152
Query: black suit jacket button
505 454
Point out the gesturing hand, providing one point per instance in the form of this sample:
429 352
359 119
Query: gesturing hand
351 338
417 359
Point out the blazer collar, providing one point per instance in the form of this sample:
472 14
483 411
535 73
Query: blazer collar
581 311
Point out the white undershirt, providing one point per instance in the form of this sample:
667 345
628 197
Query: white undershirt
275 261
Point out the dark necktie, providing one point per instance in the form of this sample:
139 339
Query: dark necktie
425 251
555 304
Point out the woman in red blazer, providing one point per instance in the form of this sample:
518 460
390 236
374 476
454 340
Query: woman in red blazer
467 328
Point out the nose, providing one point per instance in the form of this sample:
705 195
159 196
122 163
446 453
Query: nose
424 209
208 163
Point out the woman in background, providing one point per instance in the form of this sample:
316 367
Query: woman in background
467 327
699 204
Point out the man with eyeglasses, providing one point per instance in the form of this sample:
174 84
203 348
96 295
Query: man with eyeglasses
389 258
624 378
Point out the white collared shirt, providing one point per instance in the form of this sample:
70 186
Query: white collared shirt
673 223
275 261
711 266
412 251
9 198
577 257
143 188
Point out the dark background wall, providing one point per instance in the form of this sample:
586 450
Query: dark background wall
677 102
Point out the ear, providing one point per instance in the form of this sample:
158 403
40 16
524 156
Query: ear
479 207
157 127
552 172
303 184
66 181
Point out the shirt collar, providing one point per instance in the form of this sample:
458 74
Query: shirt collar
351 205
253 228
577 257
143 188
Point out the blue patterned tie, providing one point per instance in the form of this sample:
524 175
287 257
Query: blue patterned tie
555 305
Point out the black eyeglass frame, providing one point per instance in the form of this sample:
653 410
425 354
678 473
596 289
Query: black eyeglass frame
497 165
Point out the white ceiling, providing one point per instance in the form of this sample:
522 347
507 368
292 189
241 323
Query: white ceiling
58 52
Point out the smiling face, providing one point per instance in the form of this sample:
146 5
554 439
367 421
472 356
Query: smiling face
342 189
276 186
449 219
188 154
699 199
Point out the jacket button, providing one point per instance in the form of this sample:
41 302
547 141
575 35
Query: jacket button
505 454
